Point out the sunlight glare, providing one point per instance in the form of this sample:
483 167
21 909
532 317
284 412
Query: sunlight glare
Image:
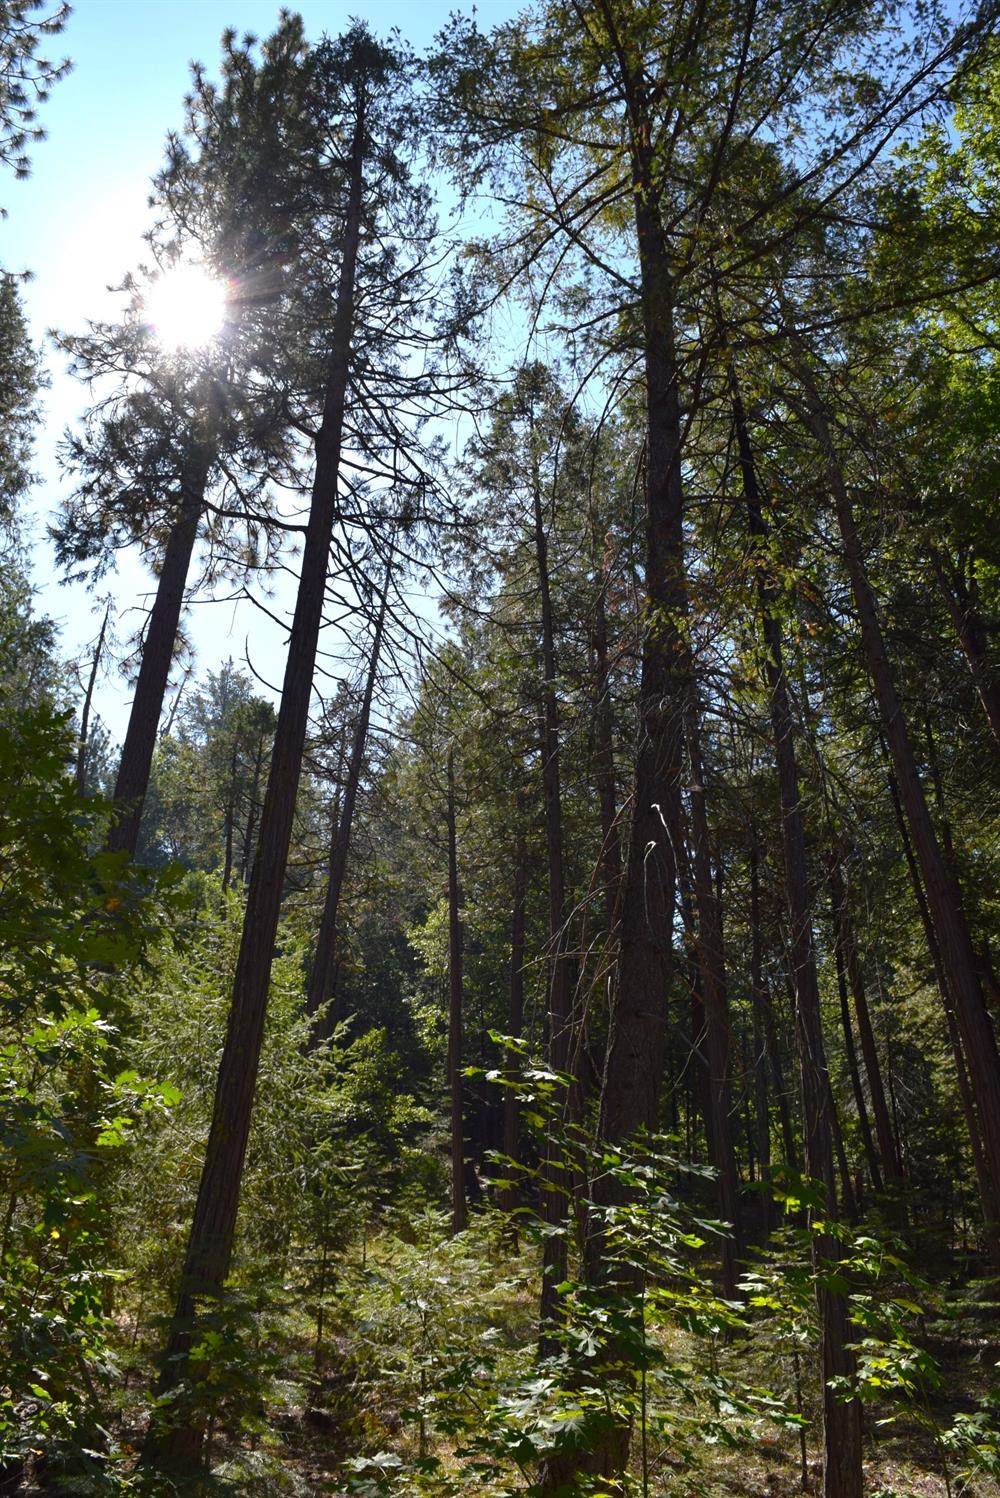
186 307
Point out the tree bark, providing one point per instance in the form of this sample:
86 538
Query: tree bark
157 657
459 1207
943 894
210 1244
321 978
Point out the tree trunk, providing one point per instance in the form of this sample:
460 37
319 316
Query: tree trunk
850 1051
940 806
971 635
515 1012
88 698
847 945
210 1245
991 1207
321 977
459 1208
776 1057
634 1064
633 1069
842 1476
168 726
230 819
157 658
248 831
847 1194
943 893
611 848
760 1001
712 971
559 1019
774 1049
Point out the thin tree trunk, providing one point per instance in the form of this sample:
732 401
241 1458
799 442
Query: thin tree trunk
210 1245
695 1063
971 635
774 1050
230 819
846 1204
850 1051
611 848
515 1012
991 1208
559 1019
168 726
848 1198
88 698
248 834
847 945
157 656
760 1001
321 977
842 1476
712 970
459 1207
943 893
937 786
776 1057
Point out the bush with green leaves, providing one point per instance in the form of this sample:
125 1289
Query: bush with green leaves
74 925
453 1320
894 1376
335 1137
333 1134
972 1445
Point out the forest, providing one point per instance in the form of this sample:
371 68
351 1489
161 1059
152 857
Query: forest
546 1043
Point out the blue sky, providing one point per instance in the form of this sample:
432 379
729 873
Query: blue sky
76 224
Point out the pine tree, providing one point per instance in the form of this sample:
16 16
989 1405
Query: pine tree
360 232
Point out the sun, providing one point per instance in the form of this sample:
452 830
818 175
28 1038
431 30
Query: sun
186 307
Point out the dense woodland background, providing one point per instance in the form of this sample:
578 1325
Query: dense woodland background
549 1047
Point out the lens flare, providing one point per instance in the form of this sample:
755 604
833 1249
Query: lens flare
186 307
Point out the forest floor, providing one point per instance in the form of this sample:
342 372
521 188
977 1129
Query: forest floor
397 1389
